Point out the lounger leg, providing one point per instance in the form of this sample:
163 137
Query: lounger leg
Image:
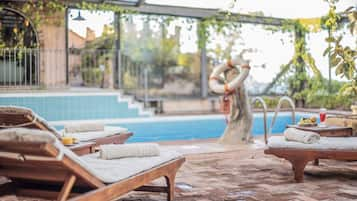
170 181
298 166
7 189
67 187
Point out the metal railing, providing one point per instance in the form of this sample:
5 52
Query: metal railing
91 68
95 68
265 109
19 67
277 110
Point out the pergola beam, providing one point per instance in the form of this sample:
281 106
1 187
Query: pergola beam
202 13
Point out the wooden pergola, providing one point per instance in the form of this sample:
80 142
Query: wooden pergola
142 7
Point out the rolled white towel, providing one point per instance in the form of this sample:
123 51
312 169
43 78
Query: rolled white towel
115 151
306 137
83 127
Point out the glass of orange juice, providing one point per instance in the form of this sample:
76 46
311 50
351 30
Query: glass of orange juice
67 140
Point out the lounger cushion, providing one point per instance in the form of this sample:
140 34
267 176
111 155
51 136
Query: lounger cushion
92 135
26 135
325 143
110 171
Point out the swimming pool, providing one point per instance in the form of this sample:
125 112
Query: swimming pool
56 106
192 127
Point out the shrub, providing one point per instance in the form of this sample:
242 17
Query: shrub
92 76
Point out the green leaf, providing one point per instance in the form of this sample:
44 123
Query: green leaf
339 39
327 50
352 27
349 9
350 74
339 69
335 61
330 39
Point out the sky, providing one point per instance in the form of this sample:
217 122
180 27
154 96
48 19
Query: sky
272 49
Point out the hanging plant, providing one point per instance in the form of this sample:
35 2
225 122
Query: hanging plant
343 58
98 7
302 59
219 24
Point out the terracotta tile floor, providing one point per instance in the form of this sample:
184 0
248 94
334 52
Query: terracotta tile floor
250 175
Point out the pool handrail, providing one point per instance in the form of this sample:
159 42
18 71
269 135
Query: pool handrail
277 110
261 100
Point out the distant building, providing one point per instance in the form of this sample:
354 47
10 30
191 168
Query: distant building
90 35
75 40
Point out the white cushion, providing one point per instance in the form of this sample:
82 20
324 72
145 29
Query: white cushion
325 143
92 135
110 171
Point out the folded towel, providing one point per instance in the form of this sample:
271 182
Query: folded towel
114 151
83 127
307 137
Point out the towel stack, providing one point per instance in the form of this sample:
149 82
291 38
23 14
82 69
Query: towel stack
306 137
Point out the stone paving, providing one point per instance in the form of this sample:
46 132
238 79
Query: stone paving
250 175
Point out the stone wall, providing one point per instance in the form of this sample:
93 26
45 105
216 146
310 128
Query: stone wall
52 37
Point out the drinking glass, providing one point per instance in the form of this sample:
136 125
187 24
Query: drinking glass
322 117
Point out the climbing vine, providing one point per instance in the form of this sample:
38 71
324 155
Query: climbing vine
97 7
298 80
302 58
218 24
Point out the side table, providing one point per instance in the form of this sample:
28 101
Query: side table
328 131
82 148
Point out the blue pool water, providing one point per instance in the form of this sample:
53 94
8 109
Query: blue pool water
73 106
59 108
198 127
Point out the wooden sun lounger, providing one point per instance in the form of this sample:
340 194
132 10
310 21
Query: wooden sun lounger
27 119
65 179
300 157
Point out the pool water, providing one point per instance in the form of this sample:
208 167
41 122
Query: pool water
73 106
196 127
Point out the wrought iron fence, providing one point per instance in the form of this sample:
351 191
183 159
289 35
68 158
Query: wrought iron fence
94 68
153 80
19 67
91 68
